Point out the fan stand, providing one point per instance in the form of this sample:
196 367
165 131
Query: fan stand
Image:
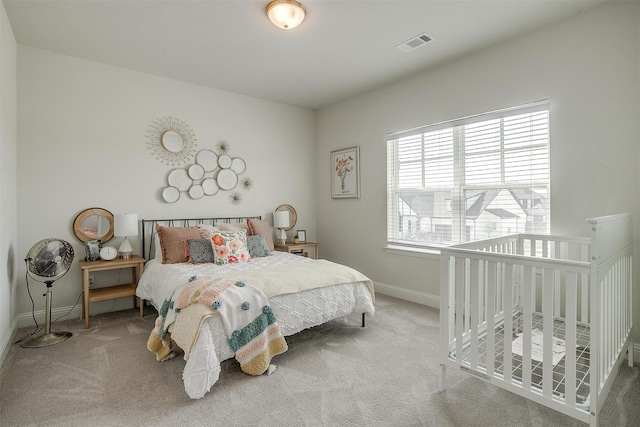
49 338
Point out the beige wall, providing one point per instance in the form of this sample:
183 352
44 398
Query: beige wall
586 66
8 170
82 144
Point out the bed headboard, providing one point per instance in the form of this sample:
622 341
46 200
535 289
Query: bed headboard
149 228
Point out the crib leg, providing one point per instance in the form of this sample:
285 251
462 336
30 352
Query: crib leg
443 377
363 320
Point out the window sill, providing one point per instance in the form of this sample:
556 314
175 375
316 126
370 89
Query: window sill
413 251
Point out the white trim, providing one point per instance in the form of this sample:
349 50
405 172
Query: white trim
412 251
8 340
407 294
26 319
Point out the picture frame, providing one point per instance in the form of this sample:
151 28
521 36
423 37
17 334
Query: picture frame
92 249
302 235
345 173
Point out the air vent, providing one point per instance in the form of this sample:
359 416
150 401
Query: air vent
414 43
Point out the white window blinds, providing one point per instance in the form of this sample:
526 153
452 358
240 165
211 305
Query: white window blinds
468 179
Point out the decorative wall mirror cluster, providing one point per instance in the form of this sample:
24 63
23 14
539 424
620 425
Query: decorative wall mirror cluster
93 224
211 173
293 216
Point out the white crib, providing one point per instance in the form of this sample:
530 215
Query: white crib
509 304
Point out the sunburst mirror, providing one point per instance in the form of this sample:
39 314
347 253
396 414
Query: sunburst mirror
171 141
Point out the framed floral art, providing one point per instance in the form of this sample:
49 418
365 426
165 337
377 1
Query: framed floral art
345 173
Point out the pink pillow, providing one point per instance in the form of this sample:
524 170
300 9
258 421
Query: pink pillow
230 247
261 227
172 240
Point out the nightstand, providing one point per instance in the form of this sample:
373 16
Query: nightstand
291 247
135 263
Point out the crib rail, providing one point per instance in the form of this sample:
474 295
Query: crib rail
497 295
612 282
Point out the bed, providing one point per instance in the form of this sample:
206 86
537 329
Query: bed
546 317
297 301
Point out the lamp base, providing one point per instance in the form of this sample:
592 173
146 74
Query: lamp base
46 340
281 237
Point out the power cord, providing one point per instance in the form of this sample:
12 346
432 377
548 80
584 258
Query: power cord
33 307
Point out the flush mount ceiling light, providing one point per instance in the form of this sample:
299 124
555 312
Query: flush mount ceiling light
286 14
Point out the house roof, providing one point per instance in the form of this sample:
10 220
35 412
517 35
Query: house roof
435 204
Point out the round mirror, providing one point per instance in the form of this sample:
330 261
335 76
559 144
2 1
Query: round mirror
172 141
93 224
293 216
227 179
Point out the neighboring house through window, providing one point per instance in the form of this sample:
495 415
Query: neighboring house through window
469 179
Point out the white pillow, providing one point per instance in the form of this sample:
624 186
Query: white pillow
157 248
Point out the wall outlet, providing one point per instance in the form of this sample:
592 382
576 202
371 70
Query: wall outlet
91 281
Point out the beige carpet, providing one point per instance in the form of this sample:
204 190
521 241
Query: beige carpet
386 374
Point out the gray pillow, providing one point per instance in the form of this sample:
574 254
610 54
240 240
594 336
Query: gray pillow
257 246
200 251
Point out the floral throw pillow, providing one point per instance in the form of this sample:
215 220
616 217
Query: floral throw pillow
230 247
257 246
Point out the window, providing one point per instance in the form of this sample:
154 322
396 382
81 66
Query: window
469 179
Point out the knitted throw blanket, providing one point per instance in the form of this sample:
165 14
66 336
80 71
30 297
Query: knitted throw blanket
254 334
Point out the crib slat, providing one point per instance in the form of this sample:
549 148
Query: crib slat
459 283
527 311
571 290
452 299
467 316
559 255
445 323
474 290
547 331
584 310
491 311
508 321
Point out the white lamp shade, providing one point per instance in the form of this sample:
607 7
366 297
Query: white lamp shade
125 225
281 219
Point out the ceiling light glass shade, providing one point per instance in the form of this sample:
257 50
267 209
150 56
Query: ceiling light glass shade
286 14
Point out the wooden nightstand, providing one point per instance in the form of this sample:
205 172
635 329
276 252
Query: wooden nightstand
136 264
289 247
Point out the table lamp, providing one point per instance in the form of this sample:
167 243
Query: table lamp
281 221
125 225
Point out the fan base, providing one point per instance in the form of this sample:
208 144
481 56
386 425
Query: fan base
47 339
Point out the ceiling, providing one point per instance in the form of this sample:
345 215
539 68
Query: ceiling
342 49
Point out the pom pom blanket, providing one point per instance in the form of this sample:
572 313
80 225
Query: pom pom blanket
252 330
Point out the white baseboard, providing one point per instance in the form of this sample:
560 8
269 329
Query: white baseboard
407 294
7 341
75 312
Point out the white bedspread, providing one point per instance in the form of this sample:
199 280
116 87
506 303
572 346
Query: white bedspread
294 311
